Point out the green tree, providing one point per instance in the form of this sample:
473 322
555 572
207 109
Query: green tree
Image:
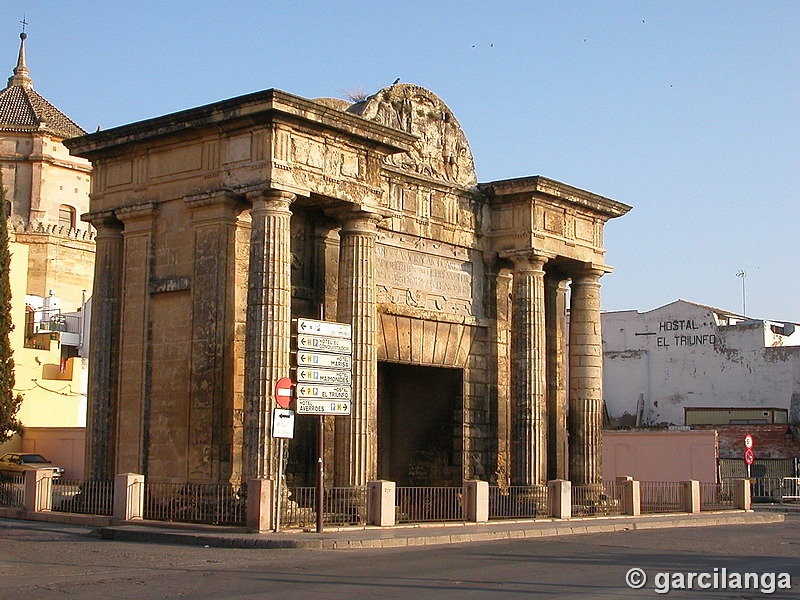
9 402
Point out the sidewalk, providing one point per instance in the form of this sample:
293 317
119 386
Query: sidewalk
419 535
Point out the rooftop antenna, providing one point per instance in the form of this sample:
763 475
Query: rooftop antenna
742 274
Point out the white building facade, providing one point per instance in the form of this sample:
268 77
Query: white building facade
688 359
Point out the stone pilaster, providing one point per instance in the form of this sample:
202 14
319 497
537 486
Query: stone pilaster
528 371
556 319
214 219
268 326
101 418
585 380
356 444
135 356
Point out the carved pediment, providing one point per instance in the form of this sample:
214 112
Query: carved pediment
441 151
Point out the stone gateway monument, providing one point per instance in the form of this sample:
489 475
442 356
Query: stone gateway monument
217 226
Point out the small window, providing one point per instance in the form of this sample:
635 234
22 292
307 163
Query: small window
66 216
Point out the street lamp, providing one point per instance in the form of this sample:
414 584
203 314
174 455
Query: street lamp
742 274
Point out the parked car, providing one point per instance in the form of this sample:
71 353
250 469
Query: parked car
16 464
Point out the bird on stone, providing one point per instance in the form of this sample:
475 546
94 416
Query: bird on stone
396 81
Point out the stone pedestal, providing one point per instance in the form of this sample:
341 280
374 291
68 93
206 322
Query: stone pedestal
261 505
585 380
559 499
742 494
128 496
268 331
690 496
356 444
381 503
38 490
101 417
528 372
476 501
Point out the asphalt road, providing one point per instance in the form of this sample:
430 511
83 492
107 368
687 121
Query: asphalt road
42 561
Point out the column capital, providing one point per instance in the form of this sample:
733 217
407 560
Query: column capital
104 221
137 211
270 200
527 260
360 219
589 273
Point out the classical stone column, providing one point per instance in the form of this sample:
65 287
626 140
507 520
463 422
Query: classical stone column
101 418
214 218
268 330
528 372
585 380
356 444
556 319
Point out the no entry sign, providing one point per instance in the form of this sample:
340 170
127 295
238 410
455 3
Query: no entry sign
283 392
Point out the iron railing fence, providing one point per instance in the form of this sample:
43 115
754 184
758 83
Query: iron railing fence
209 503
425 504
596 499
83 496
517 501
661 496
790 489
12 491
716 496
341 506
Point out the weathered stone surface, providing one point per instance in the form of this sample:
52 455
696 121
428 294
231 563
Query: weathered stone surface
373 215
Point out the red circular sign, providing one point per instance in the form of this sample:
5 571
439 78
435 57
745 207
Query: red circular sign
748 441
284 392
749 457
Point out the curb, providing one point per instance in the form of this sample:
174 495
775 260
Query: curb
409 537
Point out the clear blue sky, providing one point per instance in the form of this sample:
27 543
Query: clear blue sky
688 111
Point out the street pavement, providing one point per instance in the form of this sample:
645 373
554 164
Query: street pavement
43 561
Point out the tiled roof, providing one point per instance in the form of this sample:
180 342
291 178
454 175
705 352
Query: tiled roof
22 108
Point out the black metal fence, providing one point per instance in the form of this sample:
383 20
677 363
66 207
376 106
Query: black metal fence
12 491
341 506
211 503
517 502
83 496
425 504
661 496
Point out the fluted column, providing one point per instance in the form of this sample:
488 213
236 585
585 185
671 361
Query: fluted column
556 318
585 380
528 372
356 444
268 332
101 418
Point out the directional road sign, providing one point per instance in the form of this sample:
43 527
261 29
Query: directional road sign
307 406
324 344
335 376
322 360
324 328
283 423
323 392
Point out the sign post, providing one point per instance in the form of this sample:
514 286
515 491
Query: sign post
749 455
324 379
282 429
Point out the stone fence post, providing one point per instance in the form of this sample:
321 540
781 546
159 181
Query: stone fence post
381 503
741 494
476 501
559 498
631 497
690 496
128 496
260 505
38 490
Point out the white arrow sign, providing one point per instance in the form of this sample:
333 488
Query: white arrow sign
323 392
322 360
324 328
323 407
324 344
342 377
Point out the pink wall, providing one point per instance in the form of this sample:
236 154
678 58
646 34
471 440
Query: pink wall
660 455
63 446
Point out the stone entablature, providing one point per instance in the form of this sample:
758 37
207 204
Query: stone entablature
228 220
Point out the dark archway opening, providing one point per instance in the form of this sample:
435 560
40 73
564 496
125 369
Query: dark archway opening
419 421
